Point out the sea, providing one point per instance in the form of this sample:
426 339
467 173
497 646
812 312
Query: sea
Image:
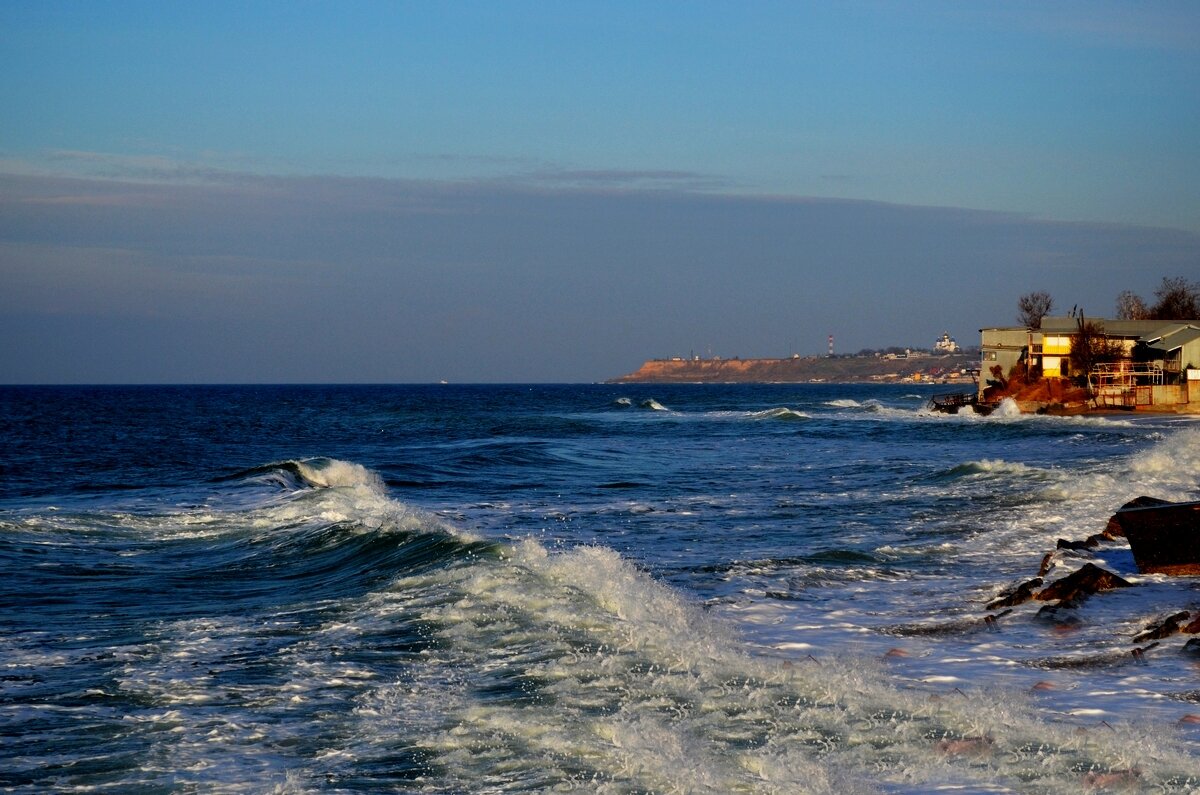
579 589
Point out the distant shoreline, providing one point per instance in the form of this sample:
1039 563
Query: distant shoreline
946 368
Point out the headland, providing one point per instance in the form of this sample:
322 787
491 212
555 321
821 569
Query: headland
945 368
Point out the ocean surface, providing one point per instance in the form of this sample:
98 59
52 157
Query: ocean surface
591 589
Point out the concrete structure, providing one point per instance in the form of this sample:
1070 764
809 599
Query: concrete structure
1005 347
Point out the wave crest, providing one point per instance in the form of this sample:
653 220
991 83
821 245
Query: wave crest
780 413
334 473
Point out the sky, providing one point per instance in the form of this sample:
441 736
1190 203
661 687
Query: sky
381 192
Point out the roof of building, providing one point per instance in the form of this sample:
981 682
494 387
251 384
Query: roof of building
1112 328
1171 337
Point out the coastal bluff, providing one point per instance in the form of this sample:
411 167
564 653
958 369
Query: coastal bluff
845 369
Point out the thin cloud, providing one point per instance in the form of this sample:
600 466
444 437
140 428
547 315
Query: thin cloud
629 179
319 278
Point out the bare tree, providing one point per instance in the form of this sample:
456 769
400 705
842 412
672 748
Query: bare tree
1178 299
1032 307
1130 306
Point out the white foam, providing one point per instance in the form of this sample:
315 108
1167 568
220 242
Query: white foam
781 413
645 691
333 473
1172 466
1008 409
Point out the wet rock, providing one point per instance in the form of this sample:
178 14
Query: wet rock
1086 581
1163 628
1074 545
1061 614
959 627
1140 654
1047 562
1106 660
966 746
1192 647
1193 627
1015 596
1113 779
1114 529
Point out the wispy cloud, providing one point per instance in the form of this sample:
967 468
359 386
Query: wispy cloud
629 179
512 171
147 167
573 277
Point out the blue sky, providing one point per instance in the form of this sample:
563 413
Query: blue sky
362 191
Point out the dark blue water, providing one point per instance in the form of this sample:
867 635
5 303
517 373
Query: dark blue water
574 588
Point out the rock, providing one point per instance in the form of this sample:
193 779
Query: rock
1140 654
958 627
1161 629
1015 596
1084 582
1193 627
1047 562
967 746
1114 529
1105 660
1082 545
1060 614
1113 779
1192 647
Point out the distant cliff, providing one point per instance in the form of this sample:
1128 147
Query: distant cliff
791 371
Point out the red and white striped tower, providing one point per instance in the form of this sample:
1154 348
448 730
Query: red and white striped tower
830 346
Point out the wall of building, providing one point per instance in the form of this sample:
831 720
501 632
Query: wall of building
1002 347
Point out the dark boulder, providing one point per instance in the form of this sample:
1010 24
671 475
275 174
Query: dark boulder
1088 580
1074 545
1061 614
1163 628
1114 529
1015 596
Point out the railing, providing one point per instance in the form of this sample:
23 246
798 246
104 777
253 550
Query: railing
1123 385
1126 374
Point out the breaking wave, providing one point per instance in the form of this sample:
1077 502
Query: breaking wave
781 413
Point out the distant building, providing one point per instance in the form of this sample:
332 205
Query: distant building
946 344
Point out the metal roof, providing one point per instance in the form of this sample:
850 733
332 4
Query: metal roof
1140 329
1175 336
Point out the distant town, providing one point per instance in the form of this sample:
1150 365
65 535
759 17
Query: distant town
945 361
1145 359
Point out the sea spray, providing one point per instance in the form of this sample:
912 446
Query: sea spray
619 604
